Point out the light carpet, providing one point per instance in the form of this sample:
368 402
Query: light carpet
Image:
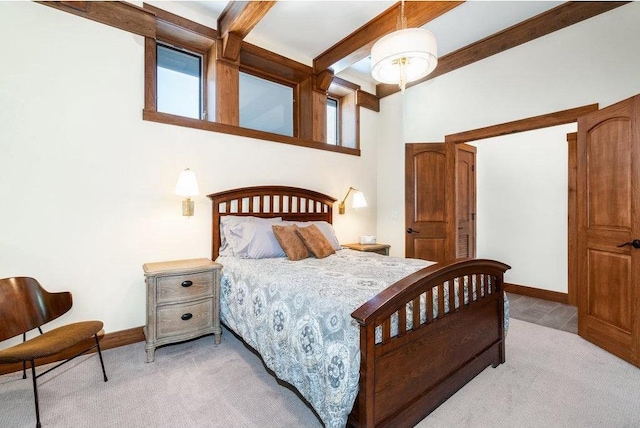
551 379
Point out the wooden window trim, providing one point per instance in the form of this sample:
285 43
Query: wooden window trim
348 110
170 119
150 113
256 61
269 63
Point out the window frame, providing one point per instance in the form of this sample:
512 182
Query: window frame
335 100
275 79
202 79
180 32
347 94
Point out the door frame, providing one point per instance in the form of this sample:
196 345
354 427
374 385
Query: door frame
562 117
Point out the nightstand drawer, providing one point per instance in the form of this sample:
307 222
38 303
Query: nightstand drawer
178 288
174 320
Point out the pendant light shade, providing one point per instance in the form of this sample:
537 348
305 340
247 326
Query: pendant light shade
404 56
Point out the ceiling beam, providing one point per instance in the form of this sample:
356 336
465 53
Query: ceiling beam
237 20
357 45
323 80
545 23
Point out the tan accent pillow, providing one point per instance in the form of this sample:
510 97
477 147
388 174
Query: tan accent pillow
290 242
315 241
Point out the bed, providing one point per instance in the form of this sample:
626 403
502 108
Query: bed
420 332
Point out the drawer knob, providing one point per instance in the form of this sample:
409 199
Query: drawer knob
187 316
187 283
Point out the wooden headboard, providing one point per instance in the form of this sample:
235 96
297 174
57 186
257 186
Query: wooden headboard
290 203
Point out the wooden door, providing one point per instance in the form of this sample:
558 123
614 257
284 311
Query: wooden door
608 201
430 201
466 200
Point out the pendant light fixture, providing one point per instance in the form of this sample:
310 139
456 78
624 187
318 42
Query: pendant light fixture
405 55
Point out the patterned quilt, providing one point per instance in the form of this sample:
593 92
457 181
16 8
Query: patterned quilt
297 315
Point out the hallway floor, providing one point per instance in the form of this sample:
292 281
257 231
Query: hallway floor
543 312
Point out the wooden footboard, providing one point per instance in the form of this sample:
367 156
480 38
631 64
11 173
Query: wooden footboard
411 371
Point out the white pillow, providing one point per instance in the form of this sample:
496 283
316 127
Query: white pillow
228 221
255 240
327 230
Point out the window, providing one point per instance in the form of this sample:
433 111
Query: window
265 105
179 87
333 124
343 111
190 82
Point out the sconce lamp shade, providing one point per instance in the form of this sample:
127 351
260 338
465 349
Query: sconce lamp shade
187 184
358 200
404 56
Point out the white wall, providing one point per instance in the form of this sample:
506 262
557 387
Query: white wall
87 185
596 60
530 168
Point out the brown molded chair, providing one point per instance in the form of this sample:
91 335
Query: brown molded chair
24 306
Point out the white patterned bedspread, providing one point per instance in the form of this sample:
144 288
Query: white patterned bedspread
297 315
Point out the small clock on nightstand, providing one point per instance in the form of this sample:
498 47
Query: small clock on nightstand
183 302
372 248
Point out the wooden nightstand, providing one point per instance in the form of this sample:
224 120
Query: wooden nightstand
372 248
183 302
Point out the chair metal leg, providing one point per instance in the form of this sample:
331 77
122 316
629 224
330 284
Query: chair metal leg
35 392
100 355
24 362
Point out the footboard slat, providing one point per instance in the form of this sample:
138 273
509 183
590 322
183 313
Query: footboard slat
461 290
406 373
386 330
440 300
452 295
402 321
416 313
485 285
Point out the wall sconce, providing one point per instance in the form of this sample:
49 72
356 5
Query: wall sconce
358 200
187 186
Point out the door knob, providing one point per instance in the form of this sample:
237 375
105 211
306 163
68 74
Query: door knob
410 230
635 243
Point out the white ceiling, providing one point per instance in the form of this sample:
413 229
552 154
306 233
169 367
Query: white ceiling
303 29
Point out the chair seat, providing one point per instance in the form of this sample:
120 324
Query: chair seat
51 342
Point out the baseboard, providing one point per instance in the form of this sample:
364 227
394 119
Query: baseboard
553 296
107 341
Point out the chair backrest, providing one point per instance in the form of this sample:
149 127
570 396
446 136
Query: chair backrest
25 305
